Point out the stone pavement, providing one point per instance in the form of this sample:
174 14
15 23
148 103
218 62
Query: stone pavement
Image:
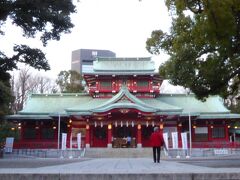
119 168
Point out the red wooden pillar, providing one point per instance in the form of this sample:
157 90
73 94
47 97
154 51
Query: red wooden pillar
22 128
179 129
87 140
37 130
109 141
139 136
210 127
226 133
69 132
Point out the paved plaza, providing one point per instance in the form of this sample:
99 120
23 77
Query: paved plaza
117 168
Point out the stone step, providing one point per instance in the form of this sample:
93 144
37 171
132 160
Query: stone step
118 152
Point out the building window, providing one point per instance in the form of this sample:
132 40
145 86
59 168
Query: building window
29 133
201 134
142 84
106 84
94 53
47 133
218 132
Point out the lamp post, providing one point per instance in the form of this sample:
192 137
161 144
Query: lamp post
190 134
190 125
59 118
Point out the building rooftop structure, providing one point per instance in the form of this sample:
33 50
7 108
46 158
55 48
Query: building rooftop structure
124 99
123 66
82 103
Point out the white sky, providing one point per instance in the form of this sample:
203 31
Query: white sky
121 26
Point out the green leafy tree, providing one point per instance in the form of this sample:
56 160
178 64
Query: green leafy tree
70 82
5 97
49 19
203 44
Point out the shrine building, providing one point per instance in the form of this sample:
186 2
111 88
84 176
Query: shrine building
123 99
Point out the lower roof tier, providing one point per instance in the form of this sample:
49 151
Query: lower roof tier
181 105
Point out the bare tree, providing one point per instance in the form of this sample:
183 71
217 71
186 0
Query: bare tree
22 87
41 84
27 83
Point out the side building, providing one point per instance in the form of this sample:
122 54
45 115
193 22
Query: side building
82 59
123 100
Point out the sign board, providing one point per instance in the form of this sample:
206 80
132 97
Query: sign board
79 136
9 144
220 151
64 141
165 137
175 140
184 140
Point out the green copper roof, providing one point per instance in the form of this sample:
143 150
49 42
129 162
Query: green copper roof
41 106
28 117
88 105
219 116
123 65
161 106
52 103
125 96
124 105
213 104
123 99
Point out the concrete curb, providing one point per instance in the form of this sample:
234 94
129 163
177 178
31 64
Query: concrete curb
152 176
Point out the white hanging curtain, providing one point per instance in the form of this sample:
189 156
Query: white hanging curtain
132 124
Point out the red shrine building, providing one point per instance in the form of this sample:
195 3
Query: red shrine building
123 100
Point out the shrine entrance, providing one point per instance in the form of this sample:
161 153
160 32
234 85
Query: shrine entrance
124 137
98 136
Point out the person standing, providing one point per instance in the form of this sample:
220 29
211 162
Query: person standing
129 141
157 142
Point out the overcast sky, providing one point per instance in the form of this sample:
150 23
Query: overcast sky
121 26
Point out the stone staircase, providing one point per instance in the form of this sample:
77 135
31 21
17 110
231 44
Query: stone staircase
147 153
118 152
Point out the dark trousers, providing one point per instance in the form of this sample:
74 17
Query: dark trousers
156 154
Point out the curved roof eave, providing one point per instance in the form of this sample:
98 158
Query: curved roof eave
124 92
82 113
124 105
168 113
219 116
28 117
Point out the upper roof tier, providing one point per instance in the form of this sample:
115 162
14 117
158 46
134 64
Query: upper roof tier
118 66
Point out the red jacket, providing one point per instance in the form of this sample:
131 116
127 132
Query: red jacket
156 139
